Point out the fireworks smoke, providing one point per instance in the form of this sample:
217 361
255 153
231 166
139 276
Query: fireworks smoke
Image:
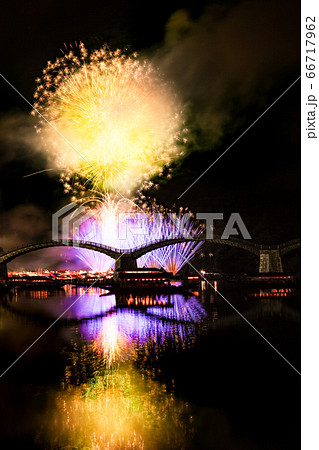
224 62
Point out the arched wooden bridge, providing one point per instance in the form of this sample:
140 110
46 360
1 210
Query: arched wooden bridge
269 256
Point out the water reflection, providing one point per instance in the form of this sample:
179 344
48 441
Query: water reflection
117 335
121 332
73 303
108 398
115 354
271 293
118 409
106 401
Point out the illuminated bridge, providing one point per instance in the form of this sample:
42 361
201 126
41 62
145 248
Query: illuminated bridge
269 256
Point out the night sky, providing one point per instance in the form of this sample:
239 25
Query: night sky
229 61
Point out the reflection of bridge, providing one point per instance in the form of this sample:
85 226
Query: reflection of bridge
269 256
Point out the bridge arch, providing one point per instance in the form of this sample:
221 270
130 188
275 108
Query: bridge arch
10 255
239 243
271 254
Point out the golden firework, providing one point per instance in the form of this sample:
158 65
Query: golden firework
112 119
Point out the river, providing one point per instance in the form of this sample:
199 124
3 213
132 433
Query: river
151 371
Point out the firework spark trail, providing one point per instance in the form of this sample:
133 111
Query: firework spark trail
122 225
118 112
163 227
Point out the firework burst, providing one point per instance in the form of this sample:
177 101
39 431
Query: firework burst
118 121
123 225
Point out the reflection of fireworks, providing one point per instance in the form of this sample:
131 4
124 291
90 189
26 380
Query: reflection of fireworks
183 310
120 410
122 407
113 344
122 225
118 334
122 120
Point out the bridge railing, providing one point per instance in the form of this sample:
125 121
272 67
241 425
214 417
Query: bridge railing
61 242
157 241
290 243
241 243
73 242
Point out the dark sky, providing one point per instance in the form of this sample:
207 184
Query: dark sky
229 61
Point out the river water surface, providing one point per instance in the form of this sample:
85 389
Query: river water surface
151 371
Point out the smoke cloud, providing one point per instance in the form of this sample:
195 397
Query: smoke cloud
18 138
228 59
28 223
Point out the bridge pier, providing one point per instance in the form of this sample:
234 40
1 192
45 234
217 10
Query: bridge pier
3 271
3 268
270 261
126 262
